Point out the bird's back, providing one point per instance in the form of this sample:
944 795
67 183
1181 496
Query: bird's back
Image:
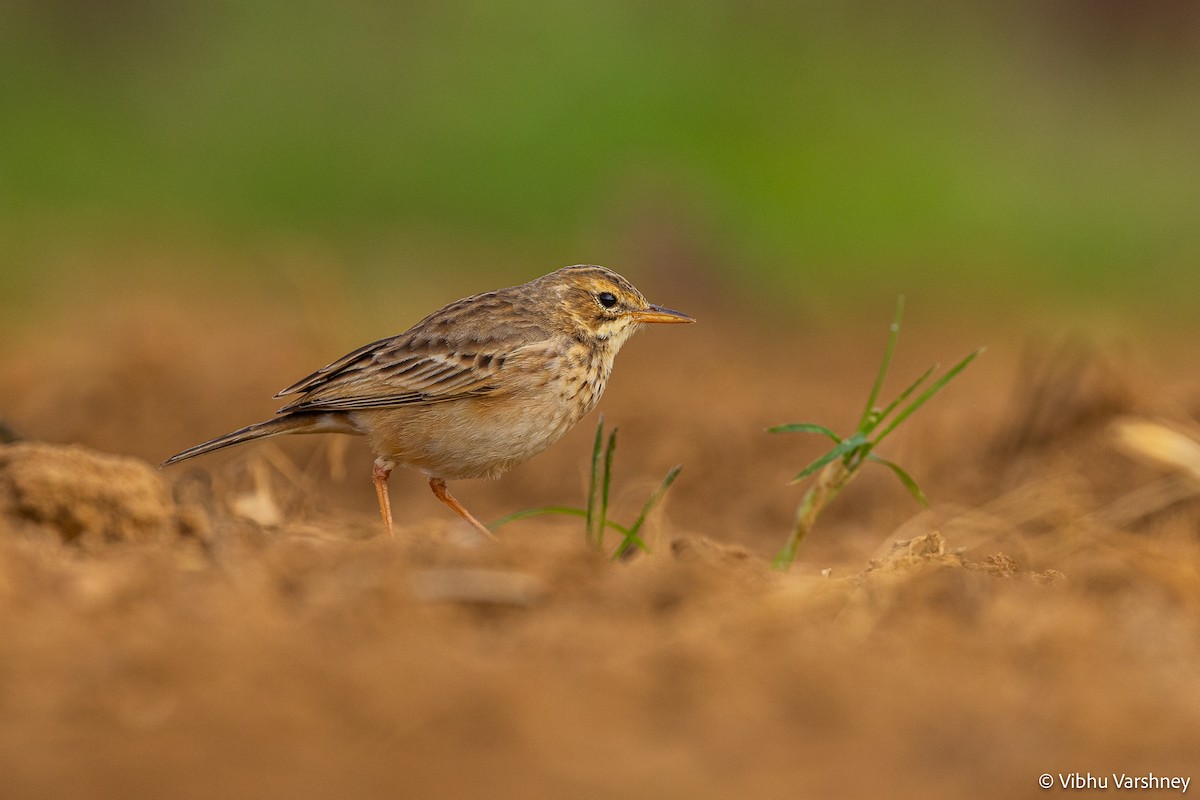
457 351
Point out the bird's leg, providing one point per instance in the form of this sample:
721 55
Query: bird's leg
439 489
380 474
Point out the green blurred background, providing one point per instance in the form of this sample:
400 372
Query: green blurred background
1035 152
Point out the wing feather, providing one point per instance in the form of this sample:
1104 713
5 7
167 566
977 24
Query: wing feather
432 362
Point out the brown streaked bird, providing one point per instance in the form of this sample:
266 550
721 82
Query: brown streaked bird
475 388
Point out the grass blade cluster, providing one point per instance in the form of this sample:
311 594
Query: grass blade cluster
595 514
838 466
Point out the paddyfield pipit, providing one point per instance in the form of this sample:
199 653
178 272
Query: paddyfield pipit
476 387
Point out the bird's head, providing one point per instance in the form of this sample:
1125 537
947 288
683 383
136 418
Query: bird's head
599 305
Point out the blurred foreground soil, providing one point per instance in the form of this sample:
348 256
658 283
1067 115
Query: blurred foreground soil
240 626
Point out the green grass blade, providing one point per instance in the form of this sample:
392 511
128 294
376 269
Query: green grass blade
883 365
806 427
655 497
605 485
563 510
632 536
904 477
535 512
785 557
593 482
912 387
937 386
629 540
843 448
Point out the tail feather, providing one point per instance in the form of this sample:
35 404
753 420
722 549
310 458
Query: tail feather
303 422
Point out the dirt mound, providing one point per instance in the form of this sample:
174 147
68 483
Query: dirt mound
83 496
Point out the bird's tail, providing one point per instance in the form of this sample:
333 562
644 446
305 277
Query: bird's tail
300 422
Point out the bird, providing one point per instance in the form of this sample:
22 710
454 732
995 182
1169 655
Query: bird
475 388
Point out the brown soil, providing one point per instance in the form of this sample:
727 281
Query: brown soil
240 627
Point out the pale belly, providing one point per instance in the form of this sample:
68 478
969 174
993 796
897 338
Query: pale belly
479 437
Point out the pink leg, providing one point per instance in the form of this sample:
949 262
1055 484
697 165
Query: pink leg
439 489
382 470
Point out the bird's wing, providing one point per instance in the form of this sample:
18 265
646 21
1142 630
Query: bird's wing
416 367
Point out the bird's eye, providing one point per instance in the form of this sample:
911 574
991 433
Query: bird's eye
607 299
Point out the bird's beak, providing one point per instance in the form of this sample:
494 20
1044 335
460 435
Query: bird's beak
660 314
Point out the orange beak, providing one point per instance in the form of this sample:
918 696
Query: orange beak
660 314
